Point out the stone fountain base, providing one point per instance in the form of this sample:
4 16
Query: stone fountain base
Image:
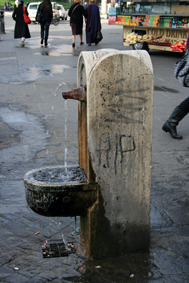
59 191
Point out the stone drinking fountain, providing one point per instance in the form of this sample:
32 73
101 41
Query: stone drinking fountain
110 188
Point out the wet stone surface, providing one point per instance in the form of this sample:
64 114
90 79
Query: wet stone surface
25 74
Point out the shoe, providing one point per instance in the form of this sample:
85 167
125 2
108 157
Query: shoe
89 44
46 44
171 124
42 41
22 41
81 43
73 45
172 130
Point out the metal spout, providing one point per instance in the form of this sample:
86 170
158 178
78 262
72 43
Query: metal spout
76 93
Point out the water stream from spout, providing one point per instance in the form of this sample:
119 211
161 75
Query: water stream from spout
60 87
65 133
77 230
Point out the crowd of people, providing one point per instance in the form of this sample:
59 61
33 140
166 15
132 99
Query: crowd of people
91 14
44 16
7 6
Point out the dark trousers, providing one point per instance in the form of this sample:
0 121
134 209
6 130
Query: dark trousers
45 30
184 106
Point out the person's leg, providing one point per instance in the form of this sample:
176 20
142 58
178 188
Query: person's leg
177 115
73 40
81 42
42 32
47 25
184 106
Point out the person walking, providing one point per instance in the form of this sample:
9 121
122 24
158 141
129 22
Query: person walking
76 14
46 15
93 23
21 29
177 115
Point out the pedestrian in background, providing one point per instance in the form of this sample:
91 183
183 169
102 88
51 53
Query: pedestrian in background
46 15
6 6
21 29
76 14
178 113
15 4
93 23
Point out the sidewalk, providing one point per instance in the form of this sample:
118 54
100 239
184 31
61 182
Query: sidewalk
37 128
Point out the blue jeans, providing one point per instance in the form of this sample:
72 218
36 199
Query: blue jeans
45 30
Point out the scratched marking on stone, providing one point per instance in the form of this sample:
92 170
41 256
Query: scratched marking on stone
113 150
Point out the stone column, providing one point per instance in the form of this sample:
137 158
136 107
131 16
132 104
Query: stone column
118 132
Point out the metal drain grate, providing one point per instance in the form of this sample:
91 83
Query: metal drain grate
57 249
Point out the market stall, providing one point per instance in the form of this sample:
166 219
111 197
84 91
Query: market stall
160 25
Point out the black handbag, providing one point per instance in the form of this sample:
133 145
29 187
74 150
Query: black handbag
39 16
99 36
181 69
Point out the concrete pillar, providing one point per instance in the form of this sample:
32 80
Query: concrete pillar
117 130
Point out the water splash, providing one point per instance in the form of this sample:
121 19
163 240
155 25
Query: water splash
60 230
56 93
59 174
77 230
65 157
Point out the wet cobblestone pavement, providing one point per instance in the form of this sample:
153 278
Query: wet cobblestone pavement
38 128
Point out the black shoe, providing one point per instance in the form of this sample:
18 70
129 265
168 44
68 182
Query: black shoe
46 43
81 43
73 45
171 124
42 41
172 130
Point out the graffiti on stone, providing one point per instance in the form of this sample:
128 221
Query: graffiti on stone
112 150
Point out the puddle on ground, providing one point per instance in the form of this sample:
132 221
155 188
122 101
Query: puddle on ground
61 50
24 74
130 268
8 136
52 50
26 143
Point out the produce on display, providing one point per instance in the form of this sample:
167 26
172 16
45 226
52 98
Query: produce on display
179 45
133 38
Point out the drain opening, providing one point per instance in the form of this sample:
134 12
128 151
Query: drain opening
57 249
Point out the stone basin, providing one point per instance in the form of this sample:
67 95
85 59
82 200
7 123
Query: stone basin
59 191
